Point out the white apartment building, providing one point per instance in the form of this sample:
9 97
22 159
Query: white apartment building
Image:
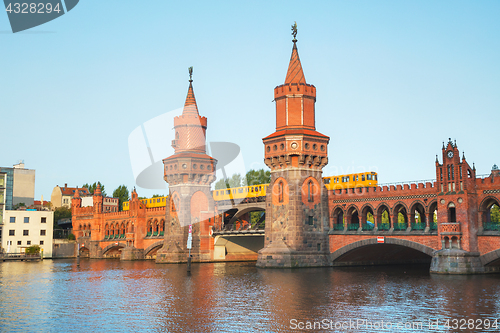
22 229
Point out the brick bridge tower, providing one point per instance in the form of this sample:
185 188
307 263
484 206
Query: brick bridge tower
189 173
296 205
457 211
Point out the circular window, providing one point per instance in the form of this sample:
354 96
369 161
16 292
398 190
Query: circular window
268 149
184 166
202 167
315 146
322 147
282 146
208 167
306 145
195 166
170 167
460 200
275 147
294 145
442 201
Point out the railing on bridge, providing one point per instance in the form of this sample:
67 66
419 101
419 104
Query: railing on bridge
239 227
416 226
491 226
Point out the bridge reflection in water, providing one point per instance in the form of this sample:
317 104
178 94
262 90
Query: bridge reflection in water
140 296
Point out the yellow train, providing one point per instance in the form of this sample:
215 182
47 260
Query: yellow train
364 179
149 203
258 192
251 193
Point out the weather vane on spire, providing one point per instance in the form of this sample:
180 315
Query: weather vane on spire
190 69
294 32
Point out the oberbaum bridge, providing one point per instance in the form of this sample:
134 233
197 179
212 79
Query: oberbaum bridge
306 225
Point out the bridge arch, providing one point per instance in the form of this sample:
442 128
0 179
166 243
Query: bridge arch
491 258
152 249
369 251
113 250
367 208
419 207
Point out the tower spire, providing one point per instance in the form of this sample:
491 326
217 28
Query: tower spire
190 106
295 74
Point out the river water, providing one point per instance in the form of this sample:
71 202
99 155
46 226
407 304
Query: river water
141 296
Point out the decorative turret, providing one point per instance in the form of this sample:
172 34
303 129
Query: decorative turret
190 163
453 174
296 142
76 201
296 203
189 173
97 199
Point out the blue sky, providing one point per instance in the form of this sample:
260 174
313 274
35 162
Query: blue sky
394 80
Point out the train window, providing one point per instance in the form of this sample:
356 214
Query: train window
240 190
252 189
362 178
326 180
375 177
357 178
228 192
368 177
259 188
234 191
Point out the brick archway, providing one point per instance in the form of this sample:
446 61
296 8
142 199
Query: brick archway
111 246
152 247
373 241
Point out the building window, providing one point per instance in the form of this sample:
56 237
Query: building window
44 220
12 219
26 220
28 243
310 189
41 242
280 191
19 242
9 242
310 220
26 232
42 232
12 232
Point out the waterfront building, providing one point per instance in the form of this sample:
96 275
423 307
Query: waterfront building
20 186
23 228
61 196
3 182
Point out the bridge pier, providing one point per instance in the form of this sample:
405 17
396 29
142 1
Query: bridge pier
132 253
456 261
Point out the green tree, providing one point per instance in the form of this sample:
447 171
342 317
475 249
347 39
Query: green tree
369 217
157 196
33 249
235 180
385 217
401 218
257 177
19 205
495 213
122 194
61 213
92 188
221 184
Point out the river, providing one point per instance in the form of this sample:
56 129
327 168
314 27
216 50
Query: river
141 296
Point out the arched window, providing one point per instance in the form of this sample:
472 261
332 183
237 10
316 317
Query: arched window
310 189
280 191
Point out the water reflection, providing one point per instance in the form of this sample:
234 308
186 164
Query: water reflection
115 296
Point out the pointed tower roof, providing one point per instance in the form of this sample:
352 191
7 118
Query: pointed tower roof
98 189
77 193
190 106
295 74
